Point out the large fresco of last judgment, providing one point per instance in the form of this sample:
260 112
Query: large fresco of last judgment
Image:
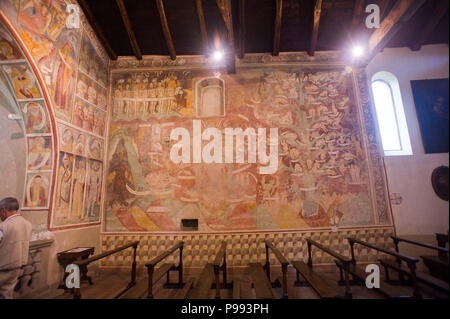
174 151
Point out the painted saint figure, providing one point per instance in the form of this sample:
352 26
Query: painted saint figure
63 195
39 156
36 192
79 179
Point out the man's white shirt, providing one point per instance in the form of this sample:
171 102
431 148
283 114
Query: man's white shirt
1 233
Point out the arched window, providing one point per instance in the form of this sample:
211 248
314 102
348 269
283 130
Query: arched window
390 114
210 97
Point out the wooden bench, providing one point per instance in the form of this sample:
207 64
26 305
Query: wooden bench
284 265
182 294
442 240
210 276
204 283
321 286
437 265
261 282
410 261
325 288
236 288
385 289
421 277
84 262
154 275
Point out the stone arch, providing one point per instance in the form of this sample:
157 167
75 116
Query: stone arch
28 92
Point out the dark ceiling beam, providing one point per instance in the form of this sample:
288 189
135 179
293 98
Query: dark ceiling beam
315 29
400 13
440 9
97 29
383 5
127 23
201 21
357 12
277 28
225 11
241 29
166 30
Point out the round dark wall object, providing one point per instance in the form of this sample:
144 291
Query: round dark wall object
439 180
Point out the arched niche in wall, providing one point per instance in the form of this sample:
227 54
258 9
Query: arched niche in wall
27 133
210 97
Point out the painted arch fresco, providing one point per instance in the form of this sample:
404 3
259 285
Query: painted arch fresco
21 83
74 69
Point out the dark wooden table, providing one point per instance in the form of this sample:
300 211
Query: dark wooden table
67 257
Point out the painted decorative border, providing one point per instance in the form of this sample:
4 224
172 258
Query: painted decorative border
156 61
384 213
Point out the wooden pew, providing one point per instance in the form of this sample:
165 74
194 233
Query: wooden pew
261 282
438 265
359 275
85 262
323 287
210 276
182 294
202 289
284 265
236 288
154 275
442 240
410 261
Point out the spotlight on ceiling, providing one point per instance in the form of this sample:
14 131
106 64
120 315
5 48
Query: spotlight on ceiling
218 55
358 51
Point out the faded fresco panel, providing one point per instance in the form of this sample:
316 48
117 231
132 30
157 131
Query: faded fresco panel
320 178
37 190
36 117
78 186
8 46
23 81
42 27
40 153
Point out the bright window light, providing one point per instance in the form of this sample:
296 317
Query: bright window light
387 119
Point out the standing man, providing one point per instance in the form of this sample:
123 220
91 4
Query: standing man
15 234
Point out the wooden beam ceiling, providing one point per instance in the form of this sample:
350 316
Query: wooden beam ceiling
439 12
277 28
400 13
127 23
225 11
241 29
98 31
383 5
315 29
166 30
201 21
357 12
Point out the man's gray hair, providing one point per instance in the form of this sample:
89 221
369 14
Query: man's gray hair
9 203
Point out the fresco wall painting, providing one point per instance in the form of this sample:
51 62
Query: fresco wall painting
75 69
36 122
79 182
322 179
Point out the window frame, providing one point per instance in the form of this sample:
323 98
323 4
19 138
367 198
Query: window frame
399 112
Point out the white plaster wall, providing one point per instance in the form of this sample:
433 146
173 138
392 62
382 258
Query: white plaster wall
67 239
421 211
